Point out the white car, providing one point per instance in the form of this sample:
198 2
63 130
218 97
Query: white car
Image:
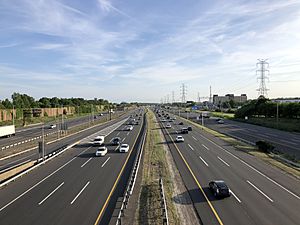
124 148
129 128
168 125
101 151
52 126
179 139
99 140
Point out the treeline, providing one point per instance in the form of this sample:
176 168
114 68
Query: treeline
24 101
266 108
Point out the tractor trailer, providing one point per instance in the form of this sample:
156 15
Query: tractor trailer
7 131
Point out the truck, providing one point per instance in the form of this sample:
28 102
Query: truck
7 131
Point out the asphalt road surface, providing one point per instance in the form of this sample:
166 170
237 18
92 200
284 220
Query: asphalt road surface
71 189
284 142
261 194
12 162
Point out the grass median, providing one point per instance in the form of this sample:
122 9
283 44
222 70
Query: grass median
154 167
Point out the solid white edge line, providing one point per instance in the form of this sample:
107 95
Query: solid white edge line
204 146
191 147
105 162
251 167
203 161
235 196
260 191
52 192
223 161
80 192
86 162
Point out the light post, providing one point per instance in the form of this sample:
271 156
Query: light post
277 114
13 115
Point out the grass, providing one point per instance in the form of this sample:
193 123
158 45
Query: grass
154 167
294 171
223 115
291 125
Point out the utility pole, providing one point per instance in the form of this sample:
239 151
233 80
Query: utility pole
13 115
210 95
262 69
173 97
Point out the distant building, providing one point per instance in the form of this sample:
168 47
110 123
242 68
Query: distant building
217 100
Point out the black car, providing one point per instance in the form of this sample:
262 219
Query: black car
180 123
189 128
184 131
116 141
219 188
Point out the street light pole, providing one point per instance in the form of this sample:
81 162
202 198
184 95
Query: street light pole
13 115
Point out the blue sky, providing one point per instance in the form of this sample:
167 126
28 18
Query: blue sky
138 50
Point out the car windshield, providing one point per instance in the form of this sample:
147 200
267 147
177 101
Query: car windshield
221 184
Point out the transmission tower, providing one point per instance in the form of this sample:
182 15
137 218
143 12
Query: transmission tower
173 97
183 93
262 69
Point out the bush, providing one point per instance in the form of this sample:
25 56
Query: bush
264 146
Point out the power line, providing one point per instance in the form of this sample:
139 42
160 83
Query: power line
262 66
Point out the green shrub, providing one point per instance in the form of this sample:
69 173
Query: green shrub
264 146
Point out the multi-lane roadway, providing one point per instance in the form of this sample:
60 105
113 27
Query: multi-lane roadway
73 188
261 194
284 142
7 163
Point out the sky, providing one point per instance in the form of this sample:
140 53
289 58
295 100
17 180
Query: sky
140 50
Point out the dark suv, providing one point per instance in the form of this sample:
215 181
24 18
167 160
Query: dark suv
219 188
116 141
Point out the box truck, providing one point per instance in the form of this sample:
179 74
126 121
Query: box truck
7 131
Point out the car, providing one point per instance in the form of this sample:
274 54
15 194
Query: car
168 125
124 148
101 114
52 126
180 123
99 140
116 141
136 123
163 120
221 121
101 151
189 128
129 128
219 188
184 131
179 139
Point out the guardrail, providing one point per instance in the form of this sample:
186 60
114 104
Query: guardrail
163 203
132 180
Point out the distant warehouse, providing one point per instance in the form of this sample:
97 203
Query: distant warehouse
217 100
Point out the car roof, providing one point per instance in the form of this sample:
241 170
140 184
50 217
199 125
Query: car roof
101 148
179 136
124 145
220 183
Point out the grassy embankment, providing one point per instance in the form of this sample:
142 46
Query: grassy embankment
154 167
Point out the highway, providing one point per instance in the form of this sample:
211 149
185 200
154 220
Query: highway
284 142
8 163
27 134
261 194
73 188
